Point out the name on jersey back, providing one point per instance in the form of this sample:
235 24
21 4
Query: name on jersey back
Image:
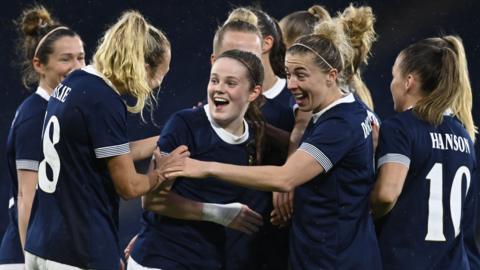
446 141
61 92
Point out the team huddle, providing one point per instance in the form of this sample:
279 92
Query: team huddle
285 165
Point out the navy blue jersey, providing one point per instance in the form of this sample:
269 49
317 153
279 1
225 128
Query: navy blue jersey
331 224
169 243
24 152
425 228
76 219
277 110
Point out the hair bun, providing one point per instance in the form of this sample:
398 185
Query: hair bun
358 24
243 15
319 12
34 19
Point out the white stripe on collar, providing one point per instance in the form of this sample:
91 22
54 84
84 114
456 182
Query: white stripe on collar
346 99
42 93
225 135
92 70
276 89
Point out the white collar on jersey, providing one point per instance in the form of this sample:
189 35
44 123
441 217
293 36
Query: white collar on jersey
92 70
349 98
447 112
276 89
42 93
225 135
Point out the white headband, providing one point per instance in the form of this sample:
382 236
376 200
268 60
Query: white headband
313 51
45 37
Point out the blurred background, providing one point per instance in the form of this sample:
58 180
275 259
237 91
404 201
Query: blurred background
190 26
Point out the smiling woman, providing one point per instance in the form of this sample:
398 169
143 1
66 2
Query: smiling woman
49 51
175 222
331 224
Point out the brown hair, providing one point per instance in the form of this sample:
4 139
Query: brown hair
269 27
441 66
301 23
36 24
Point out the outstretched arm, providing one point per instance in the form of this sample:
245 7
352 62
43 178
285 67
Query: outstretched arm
299 168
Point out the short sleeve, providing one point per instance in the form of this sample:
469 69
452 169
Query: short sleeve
28 144
175 133
393 144
108 127
329 142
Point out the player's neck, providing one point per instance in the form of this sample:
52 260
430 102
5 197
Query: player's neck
270 78
43 84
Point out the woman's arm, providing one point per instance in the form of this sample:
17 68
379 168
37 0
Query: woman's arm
142 149
299 168
130 184
233 215
390 180
27 183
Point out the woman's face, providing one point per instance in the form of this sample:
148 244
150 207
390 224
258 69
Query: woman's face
243 41
229 92
155 78
67 55
307 82
397 86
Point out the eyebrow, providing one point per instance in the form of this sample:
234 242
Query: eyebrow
228 77
300 69
71 54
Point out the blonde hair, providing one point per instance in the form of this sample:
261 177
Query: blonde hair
239 19
123 52
462 106
329 44
358 23
301 23
441 65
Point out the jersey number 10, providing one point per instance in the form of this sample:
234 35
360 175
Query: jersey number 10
435 202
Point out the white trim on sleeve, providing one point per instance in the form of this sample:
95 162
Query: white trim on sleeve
394 158
26 164
317 154
111 151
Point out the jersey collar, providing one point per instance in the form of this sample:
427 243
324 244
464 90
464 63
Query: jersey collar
276 89
92 70
346 99
42 93
225 135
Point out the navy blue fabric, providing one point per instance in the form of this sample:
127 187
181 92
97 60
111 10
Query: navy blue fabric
331 224
169 243
77 223
403 232
23 144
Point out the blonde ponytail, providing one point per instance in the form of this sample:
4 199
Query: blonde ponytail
121 56
462 106
358 24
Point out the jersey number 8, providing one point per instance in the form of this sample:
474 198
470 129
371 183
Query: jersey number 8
51 157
